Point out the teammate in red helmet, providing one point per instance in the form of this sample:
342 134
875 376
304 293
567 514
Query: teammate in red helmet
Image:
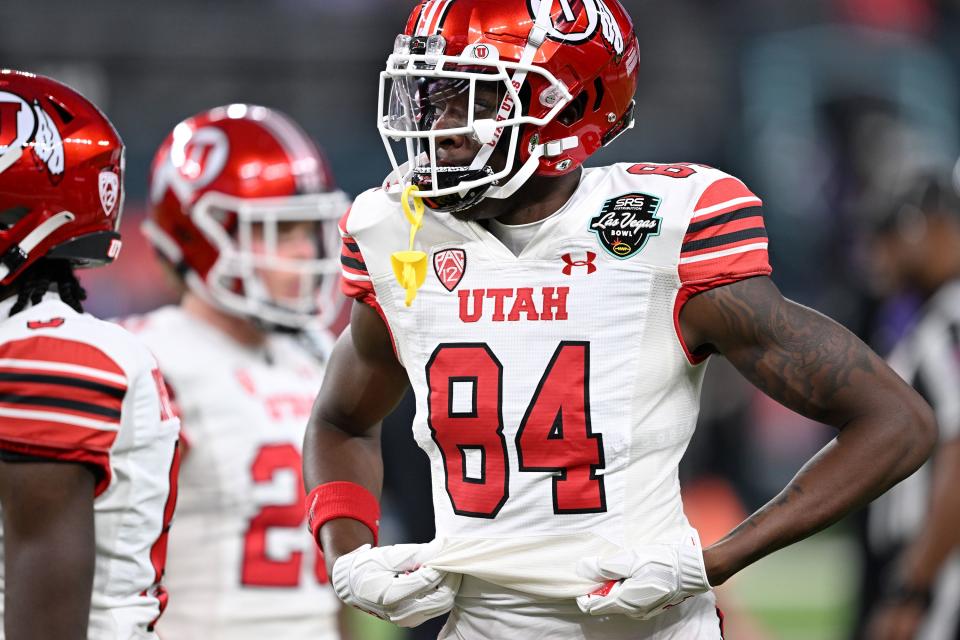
554 323
243 209
88 452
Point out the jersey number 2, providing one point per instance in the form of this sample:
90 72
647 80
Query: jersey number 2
259 569
466 422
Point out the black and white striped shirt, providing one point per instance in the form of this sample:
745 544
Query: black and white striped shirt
928 357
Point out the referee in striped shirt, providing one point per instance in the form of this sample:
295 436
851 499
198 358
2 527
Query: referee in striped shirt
912 573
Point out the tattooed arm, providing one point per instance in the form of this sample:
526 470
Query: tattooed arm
817 368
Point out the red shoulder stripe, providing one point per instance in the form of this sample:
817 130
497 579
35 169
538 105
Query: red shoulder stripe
747 259
351 260
723 241
353 263
717 252
46 433
58 351
91 398
753 220
721 191
342 223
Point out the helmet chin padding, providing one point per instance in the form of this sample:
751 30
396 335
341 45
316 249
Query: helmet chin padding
450 177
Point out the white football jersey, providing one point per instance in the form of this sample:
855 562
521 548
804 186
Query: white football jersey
76 388
242 563
555 397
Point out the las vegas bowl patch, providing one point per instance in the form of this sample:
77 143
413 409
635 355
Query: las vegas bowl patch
626 223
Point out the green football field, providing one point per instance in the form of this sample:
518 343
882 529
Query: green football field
803 592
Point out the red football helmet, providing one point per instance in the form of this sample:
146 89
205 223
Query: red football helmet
61 176
227 172
562 74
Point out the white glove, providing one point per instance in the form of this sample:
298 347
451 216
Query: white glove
642 583
390 583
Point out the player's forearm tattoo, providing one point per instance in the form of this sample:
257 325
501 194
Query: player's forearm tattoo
793 354
789 493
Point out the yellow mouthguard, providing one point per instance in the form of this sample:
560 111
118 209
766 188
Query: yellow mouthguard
410 267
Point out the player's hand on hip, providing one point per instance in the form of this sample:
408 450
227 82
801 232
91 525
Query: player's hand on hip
391 583
643 582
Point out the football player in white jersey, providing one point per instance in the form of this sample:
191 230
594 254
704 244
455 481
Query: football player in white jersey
554 322
88 440
243 208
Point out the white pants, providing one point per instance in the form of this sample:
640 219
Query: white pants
484 611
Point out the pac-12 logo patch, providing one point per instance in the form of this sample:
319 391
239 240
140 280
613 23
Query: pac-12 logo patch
109 191
449 266
626 223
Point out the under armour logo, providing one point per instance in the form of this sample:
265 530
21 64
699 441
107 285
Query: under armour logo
571 263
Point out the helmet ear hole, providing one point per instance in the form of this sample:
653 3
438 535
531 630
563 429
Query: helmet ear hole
600 91
13 215
574 112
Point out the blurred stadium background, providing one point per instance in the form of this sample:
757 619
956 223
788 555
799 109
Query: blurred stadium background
824 107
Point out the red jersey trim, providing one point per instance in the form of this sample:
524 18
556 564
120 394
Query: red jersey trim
726 238
174 408
726 241
158 552
355 280
60 393
97 459
65 354
721 192
688 291
49 409
749 218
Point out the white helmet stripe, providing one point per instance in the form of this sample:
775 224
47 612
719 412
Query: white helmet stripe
534 41
442 16
431 19
429 13
422 19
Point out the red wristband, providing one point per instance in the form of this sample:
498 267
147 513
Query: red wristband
342 500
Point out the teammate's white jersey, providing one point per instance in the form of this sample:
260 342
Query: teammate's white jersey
76 388
554 395
241 560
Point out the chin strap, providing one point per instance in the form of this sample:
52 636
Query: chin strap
520 178
410 266
20 253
